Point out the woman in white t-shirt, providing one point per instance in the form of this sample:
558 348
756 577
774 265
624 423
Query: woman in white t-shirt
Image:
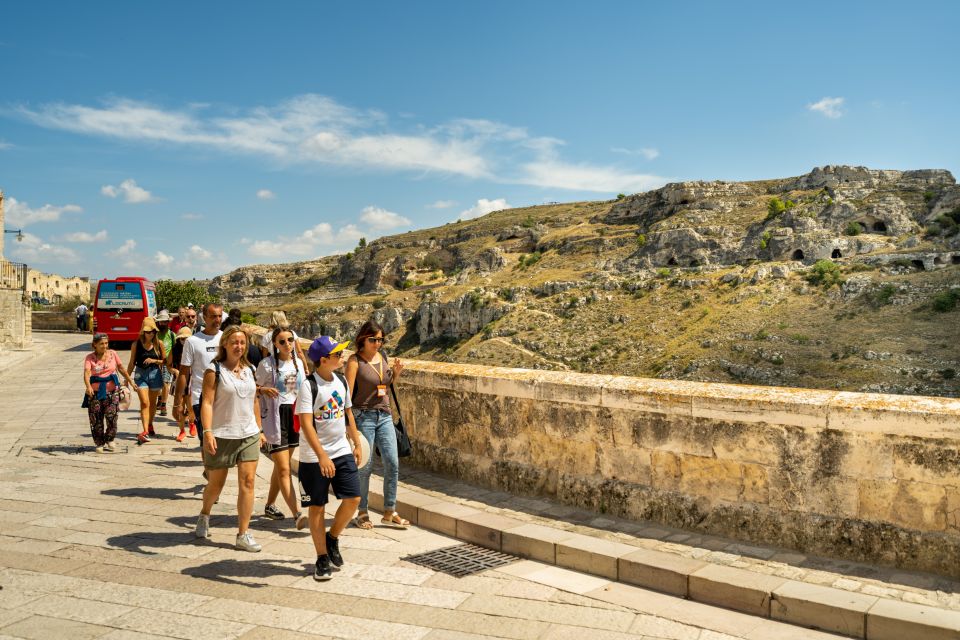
279 321
230 414
279 376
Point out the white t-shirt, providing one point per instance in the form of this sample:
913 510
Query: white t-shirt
198 352
289 381
328 418
233 416
267 340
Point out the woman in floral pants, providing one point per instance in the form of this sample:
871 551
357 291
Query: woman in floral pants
100 370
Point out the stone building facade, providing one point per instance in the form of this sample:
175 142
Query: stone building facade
56 288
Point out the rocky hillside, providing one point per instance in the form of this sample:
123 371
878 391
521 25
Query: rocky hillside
844 278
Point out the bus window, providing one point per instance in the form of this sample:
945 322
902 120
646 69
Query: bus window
125 296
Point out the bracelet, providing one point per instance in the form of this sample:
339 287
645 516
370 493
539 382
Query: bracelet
208 430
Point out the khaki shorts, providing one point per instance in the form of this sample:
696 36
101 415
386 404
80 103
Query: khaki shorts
230 452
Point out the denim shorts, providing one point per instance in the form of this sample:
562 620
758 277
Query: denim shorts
148 378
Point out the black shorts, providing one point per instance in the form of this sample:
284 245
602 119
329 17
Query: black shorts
314 487
289 438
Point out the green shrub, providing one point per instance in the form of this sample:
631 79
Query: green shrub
406 284
761 335
946 301
362 244
528 222
172 294
379 303
765 240
853 228
882 296
529 260
430 263
775 206
928 196
476 299
248 318
663 272
825 273
621 196
641 239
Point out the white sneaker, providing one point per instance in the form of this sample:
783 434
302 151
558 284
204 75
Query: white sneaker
203 527
302 521
245 542
109 447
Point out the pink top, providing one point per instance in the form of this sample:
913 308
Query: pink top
93 367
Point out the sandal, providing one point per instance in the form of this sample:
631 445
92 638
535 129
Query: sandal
362 521
395 521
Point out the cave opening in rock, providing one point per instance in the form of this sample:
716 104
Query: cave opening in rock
880 226
836 254
938 260
918 264
672 262
797 255
956 260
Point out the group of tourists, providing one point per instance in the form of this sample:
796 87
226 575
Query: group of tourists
243 395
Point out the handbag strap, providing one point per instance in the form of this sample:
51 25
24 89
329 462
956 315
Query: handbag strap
393 392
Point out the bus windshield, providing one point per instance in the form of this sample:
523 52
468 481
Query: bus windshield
115 296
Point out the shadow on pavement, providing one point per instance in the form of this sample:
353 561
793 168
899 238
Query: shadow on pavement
148 542
234 571
159 493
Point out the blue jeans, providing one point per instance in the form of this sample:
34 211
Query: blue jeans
377 428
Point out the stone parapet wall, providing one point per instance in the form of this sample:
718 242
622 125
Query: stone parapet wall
54 320
15 322
866 477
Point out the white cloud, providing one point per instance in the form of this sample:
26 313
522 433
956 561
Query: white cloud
131 192
381 219
313 129
442 204
320 239
34 250
191 216
162 260
483 207
20 214
5 145
830 107
123 250
647 152
548 172
196 252
266 194
83 236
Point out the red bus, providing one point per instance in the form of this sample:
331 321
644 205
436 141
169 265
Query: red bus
121 305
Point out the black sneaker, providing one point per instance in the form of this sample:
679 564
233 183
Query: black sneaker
333 550
273 513
322 571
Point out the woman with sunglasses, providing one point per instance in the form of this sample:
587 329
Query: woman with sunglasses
369 375
279 376
146 357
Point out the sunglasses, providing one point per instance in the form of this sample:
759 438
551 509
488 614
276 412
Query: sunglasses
285 341
151 331
375 339
191 317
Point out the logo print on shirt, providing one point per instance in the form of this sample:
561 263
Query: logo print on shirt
333 409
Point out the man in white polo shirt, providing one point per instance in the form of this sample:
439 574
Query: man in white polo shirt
198 352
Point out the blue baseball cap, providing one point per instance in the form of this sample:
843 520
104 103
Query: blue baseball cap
324 346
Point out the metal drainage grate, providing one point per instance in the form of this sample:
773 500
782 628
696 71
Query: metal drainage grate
461 559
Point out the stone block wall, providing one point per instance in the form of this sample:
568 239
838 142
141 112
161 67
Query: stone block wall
866 477
15 322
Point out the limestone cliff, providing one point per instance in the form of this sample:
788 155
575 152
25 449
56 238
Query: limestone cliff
845 277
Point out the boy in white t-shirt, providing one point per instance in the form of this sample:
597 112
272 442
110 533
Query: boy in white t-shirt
329 452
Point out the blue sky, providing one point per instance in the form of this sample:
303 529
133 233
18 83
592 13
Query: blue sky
184 139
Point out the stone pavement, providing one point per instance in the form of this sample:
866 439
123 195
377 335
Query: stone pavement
101 546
